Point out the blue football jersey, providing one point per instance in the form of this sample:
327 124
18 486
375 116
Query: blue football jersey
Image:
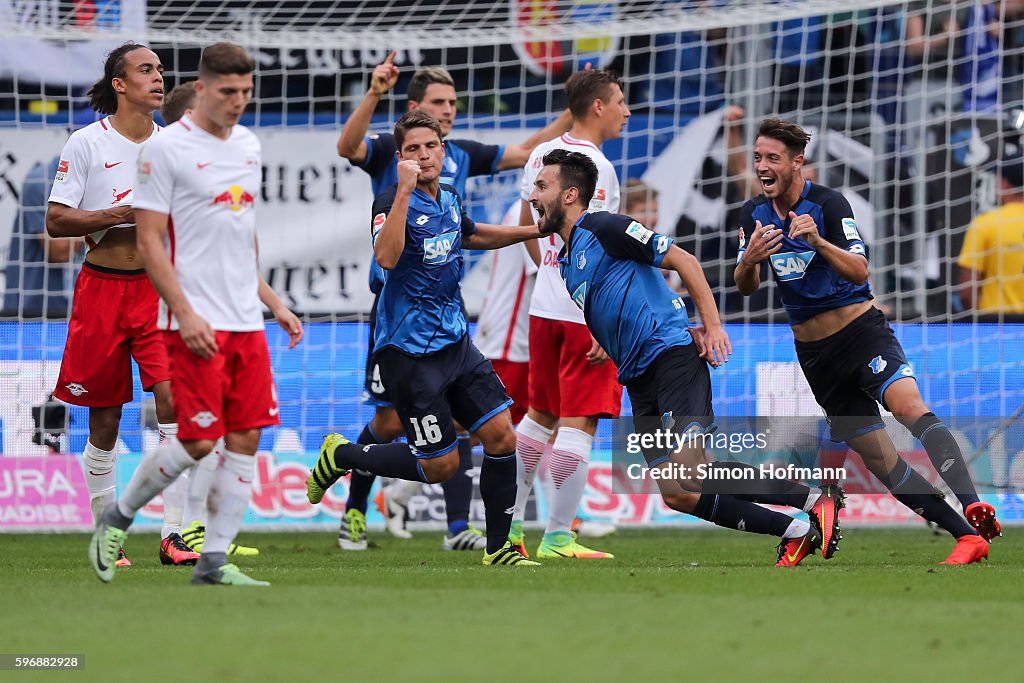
420 308
462 159
611 268
807 281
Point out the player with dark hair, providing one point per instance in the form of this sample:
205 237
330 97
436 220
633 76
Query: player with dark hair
571 383
198 186
432 372
113 314
848 352
610 266
432 89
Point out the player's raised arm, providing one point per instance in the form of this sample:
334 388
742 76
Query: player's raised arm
389 240
352 141
517 155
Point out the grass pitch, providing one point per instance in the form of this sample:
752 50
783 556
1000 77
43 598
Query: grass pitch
674 605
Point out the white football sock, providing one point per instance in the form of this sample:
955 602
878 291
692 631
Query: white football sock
229 498
174 495
168 430
570 458
199 481
796 529
156 472
100 478
174 504
531 440
402 491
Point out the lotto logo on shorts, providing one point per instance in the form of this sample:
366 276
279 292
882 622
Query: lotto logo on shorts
204 418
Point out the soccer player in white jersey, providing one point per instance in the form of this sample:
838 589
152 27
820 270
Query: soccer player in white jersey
180 101
113 318
572 382
195 209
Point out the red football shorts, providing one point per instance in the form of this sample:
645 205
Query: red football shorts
516 378
562 381
113 319
230 392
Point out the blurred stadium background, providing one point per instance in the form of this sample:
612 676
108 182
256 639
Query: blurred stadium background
912 104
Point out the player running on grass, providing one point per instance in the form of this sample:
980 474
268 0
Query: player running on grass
432 372
610 267
431 90
847 351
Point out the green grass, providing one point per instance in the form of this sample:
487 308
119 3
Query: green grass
675 605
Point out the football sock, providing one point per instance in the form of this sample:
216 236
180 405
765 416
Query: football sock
458 491
531 439
914 491
748 484
946 457
360 484
796 529
200 478
174 504
175 494
385 460
569 464
229 498
100 478
742 515
155 473
498 490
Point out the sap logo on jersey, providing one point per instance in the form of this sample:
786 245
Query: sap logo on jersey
436 249
792 265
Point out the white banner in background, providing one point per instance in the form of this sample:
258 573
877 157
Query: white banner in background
314 211
60 62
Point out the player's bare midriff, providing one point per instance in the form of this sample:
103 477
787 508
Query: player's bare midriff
117 249
828 323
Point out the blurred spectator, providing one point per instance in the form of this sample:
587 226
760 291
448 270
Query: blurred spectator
797 46
688 73
992 258
37 274
640 201
990 34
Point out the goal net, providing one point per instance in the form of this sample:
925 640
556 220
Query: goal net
912 108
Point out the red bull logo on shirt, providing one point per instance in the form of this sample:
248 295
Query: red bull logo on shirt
235 197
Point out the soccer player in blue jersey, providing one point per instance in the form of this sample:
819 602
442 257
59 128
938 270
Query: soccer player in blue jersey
610 265
431 371
431 90
848 353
